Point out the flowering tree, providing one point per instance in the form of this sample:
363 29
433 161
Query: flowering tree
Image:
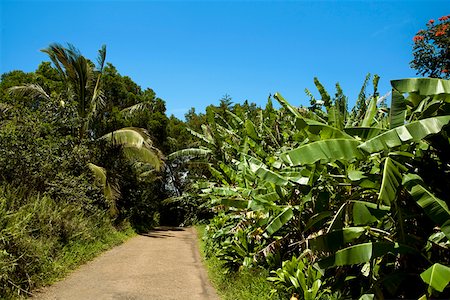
431 49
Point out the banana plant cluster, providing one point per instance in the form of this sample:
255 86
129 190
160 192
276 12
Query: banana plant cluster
364 191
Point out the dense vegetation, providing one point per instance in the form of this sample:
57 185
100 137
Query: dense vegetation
82 165
337 203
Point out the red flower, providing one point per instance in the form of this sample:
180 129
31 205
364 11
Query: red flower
443 18
417 38
444 71
431 21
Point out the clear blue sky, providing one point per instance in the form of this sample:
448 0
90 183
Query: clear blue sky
193 53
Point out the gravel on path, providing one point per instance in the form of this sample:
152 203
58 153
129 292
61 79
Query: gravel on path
163 264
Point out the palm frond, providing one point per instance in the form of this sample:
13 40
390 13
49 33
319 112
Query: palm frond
35 91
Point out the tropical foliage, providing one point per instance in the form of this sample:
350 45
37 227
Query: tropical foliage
339 204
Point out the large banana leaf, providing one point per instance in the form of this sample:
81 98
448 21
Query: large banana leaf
422 86
336 239
418 86
362 253
413 132
324 151
262 171
437 276
434 207
201 136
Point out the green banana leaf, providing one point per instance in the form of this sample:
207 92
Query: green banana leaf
324 151
251 130
412 132
336 239
397 113
365 213
390 182
370 113
364 133
262 171
362 253
437 276
436 209
313 127
422 86
418 86
280 220
235 203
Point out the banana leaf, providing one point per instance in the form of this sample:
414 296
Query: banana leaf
365 213
362 253
370 113
280 220
336 239
397 113
437 276
436 209
390 182
422 86
412 132
262 171
324 151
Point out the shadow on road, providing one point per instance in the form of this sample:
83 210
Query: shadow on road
162 232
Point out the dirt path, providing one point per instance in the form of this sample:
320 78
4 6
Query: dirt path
164 264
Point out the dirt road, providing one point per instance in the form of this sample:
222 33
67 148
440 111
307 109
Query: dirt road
164 264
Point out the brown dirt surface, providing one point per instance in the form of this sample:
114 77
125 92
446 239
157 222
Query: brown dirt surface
163 264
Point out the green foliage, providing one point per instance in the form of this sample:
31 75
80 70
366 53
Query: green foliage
41 239
78 169
354 189
299 278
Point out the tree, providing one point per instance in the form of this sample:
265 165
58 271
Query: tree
431 49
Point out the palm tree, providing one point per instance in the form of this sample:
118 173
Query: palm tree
82 81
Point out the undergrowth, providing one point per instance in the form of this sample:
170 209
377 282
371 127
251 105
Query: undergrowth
245 284
42 239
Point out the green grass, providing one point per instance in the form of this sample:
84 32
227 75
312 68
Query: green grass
41 240
78 253
247 284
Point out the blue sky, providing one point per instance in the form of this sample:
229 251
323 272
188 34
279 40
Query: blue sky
192 53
